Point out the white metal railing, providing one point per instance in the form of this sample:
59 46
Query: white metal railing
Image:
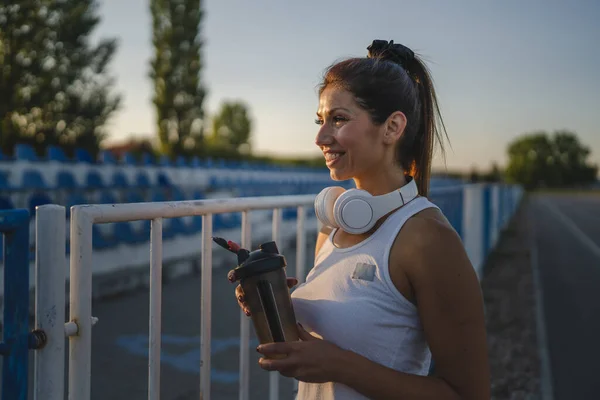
50 278
82 219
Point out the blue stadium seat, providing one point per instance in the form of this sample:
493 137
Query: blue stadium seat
6 203
65 180
158 195
173 193
227 220
74 199
82 155
37 199
195 226
213 182
55 153
4 183
147 159
25 152
233 164
102 240
209 163
289 213
129 159
107 157
181 162
119 180
106 197
142 180
93 180
124 232
164 161
32 179
196 162
163 180
133 196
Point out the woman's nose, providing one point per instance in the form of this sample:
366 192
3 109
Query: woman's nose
324 137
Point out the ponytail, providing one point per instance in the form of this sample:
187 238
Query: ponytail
429 124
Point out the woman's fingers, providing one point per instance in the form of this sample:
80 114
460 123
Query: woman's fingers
239 294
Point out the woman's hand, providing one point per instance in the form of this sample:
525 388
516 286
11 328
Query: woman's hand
239 294
309 360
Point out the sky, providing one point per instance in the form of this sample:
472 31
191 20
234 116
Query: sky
500 68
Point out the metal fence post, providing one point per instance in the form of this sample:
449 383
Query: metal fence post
245 321
274 375
155 323
50 278
206 306
80 344
300 261
15 226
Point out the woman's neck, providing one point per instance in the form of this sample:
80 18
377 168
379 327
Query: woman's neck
381 182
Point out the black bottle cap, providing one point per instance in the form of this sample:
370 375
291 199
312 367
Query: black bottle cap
263 260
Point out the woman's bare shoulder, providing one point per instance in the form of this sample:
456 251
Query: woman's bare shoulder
425 236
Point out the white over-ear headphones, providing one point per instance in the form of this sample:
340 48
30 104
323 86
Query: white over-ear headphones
355 210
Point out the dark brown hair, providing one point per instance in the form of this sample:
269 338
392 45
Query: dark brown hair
381 85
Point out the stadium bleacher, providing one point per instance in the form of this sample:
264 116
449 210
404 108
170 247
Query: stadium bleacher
28 180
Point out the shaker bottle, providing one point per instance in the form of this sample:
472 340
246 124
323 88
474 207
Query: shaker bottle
263 279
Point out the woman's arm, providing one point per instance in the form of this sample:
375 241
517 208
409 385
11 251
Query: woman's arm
450 306
381 383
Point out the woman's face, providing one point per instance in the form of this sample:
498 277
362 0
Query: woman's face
351 143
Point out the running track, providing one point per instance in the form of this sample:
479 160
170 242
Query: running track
565 233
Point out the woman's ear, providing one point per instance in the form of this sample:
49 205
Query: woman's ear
394 127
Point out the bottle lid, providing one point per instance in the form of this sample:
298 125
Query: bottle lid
263 260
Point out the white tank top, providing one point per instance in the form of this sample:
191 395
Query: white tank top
349 299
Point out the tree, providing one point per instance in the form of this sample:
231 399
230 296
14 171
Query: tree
540 160
59 90
21 53
474 175
231 129
175 70
494 174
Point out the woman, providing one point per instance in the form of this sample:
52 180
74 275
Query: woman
378 306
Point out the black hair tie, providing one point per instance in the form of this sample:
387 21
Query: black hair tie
395 52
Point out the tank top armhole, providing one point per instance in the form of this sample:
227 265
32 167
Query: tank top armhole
326 245
422 205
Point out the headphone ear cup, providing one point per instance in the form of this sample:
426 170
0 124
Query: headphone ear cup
353 212
324 203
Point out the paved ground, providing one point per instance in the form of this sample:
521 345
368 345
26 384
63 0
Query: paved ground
566 238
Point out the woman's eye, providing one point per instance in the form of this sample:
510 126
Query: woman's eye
339 119
336 120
